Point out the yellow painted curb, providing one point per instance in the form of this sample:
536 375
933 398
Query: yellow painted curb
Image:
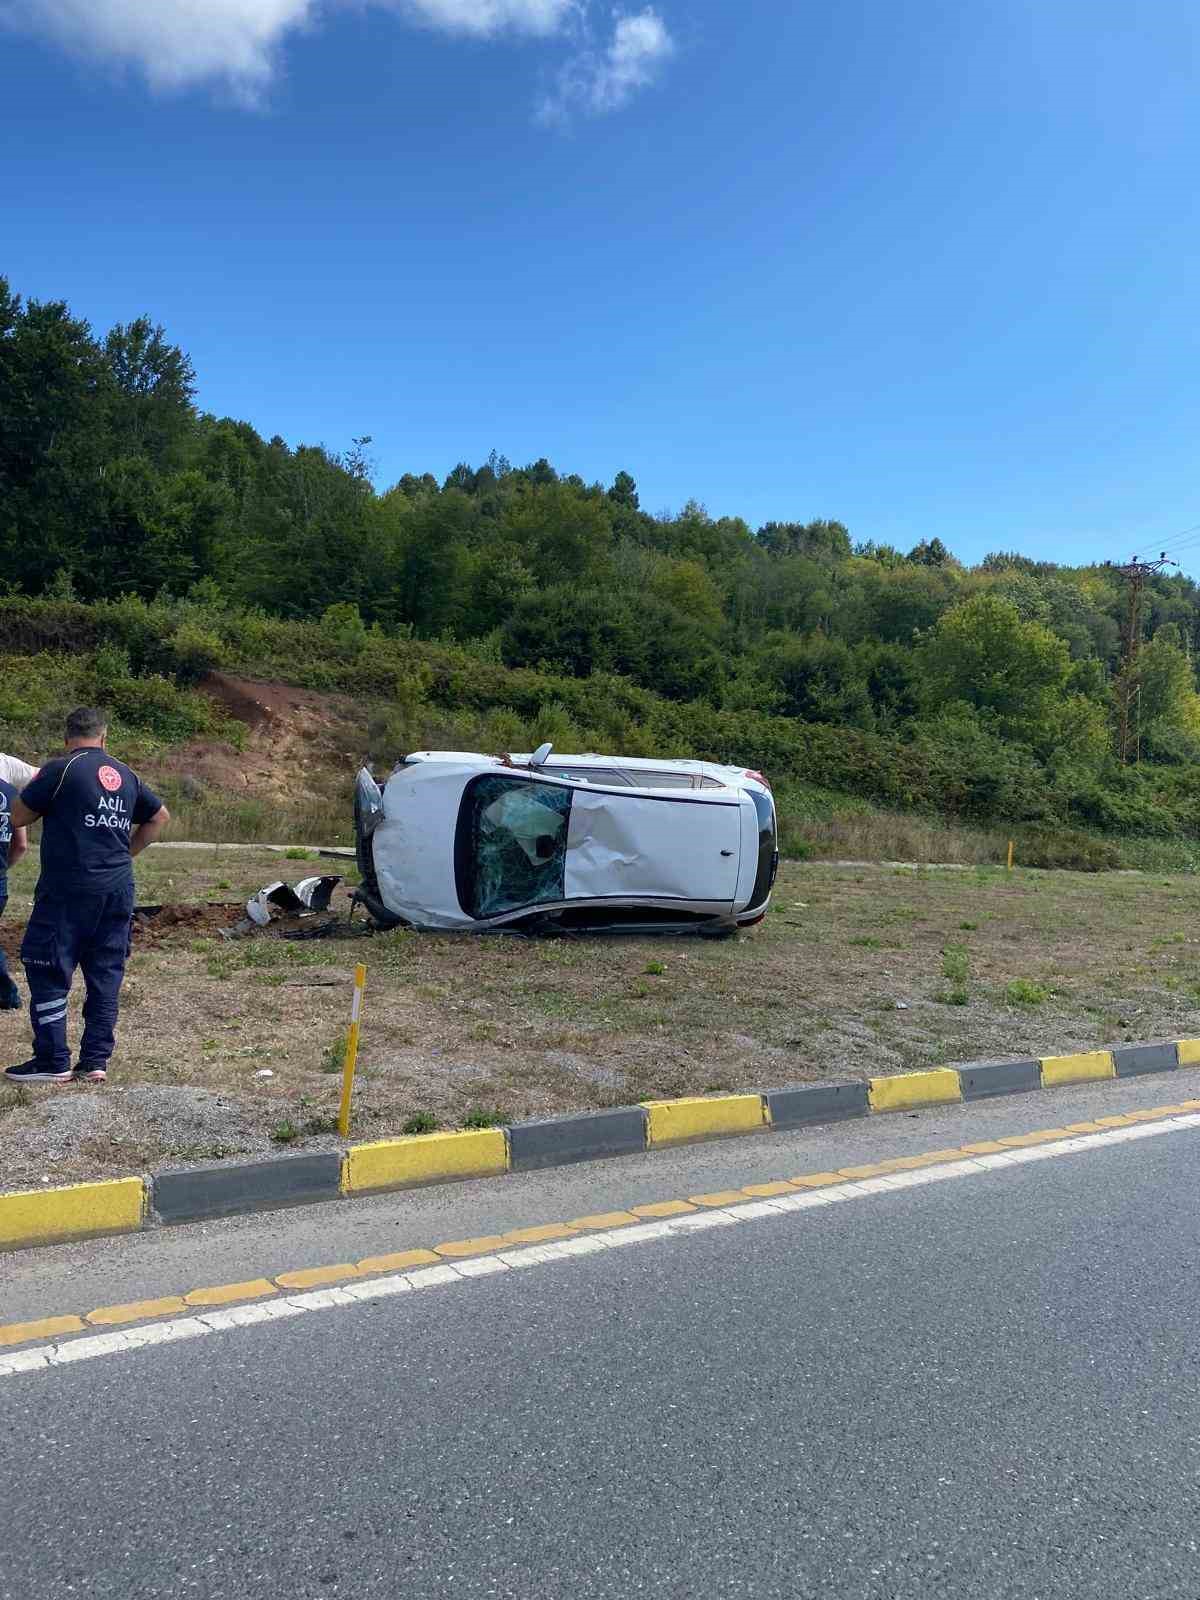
704 1117
938 1087
77 1211
1187 1052
663 1208
424 1158
1088 1067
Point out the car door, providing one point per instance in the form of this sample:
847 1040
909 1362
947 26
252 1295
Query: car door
635 845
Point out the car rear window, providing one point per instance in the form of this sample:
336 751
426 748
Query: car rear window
510 845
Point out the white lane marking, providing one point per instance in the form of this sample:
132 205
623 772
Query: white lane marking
228 1318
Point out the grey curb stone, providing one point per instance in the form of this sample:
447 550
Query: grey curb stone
824 1102
1132 1059
561 1140
197 1192
982 1079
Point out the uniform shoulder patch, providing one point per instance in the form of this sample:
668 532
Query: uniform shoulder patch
110 778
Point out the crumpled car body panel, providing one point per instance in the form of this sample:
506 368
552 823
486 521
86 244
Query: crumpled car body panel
672 848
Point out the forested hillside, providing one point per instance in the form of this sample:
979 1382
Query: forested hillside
146 542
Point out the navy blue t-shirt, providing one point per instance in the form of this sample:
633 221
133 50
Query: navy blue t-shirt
89 803
7 795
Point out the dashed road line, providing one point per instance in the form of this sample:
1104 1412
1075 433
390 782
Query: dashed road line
229 1307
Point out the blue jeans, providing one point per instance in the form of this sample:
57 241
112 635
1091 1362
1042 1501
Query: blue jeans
88 931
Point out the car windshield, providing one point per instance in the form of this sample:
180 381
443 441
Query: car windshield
511 845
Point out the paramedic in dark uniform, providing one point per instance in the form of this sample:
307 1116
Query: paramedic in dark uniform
96 815
13 845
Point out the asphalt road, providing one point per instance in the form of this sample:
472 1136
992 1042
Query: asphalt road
986 1387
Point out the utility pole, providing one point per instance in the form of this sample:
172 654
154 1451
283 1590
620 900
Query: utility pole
1129 688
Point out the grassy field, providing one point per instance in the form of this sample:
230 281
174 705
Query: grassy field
233 1048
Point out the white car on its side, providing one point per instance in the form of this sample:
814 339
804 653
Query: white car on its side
550 842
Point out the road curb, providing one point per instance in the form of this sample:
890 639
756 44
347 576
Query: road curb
126 1205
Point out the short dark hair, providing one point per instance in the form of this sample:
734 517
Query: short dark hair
87 722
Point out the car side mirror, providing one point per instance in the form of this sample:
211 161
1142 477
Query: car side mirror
541 755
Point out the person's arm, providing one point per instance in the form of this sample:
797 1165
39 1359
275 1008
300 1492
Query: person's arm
37 796
22 816
147 832
18 845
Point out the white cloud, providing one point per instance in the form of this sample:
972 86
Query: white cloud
639 47
489 16
598 81
177 43
174 42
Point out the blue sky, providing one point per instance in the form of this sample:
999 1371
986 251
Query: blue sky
925 267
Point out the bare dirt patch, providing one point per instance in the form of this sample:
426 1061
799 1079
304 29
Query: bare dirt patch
230 1049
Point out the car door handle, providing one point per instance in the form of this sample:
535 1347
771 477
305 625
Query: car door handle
726 852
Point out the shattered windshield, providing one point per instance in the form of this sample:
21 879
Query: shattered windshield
511 845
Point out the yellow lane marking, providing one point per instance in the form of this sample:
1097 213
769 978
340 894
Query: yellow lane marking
317 1277
601 1221
226 1293
400 1261
719 1197
44 1328
546 1233
15 1333
170 1305
472 1247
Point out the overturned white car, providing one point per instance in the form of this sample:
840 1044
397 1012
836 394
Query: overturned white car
550 842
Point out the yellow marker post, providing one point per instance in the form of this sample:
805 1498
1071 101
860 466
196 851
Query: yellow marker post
360 983
1010 854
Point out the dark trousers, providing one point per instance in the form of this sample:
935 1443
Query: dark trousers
10 995
88 931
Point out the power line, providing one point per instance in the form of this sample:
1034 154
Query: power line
1178 541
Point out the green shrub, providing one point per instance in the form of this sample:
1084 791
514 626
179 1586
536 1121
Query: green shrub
484 1119
1025 992
1066 848
196 651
